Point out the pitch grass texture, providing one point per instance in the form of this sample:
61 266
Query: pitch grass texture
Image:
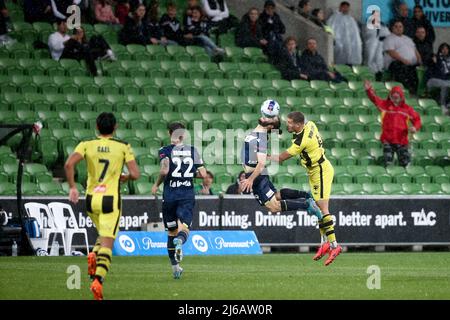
269 276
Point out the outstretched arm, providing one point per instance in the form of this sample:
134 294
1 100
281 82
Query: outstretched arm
280 157
377 101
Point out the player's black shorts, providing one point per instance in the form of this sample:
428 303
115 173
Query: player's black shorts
177 210
263 189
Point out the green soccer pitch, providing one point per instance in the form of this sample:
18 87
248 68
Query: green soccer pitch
424 275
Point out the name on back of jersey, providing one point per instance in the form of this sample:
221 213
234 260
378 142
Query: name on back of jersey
178 183
103 149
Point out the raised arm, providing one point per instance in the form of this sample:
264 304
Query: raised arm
69 168
377 101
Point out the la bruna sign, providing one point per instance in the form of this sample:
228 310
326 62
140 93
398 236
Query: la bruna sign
141 243
358 220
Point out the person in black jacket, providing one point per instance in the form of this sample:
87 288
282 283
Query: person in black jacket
402 15
196 32
420 20
315 65
249 33
135 31
289 62
153 26
273 29
438 75
170 25
424 47
37 10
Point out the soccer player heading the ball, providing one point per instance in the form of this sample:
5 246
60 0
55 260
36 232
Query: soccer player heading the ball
307 143
254 158
180 164
105 157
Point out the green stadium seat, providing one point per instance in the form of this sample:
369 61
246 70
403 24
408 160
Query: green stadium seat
198 54
373 189
8 189
445 187
431 188
353 189
51 188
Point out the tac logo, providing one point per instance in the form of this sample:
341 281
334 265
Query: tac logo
423 219
127 243
200 243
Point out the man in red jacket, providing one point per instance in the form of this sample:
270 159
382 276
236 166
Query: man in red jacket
397 120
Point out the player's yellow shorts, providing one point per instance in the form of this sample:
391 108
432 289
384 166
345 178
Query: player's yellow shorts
105 212
320 180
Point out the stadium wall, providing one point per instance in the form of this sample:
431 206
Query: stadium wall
296 26
360 220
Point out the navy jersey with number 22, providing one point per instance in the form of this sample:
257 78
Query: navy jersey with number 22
184 162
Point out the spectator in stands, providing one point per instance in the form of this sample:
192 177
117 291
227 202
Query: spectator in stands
304 9
154 29
171 26
59 8
219 15
402 15
424 47
249 33
37 11
347 44
57 39
318 17
397 117
273 30
373 47
135 31
236 187
104 12
122 10
420 20
289 62
188 12
315 66
205 188
197 33
79 48
401 57
4 21
438 75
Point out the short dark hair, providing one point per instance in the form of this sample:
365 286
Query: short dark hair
269 3
174 126
171 5
60 21
442 46
315 12
198 8
344 3
106 123
209 173
297 116
289 39
303 3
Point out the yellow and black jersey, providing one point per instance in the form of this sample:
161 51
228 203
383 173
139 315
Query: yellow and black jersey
105 158
308 145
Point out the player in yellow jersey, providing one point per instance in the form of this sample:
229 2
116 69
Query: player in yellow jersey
105 157
307 143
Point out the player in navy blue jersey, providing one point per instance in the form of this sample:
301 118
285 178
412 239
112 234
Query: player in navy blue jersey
180 164
254 157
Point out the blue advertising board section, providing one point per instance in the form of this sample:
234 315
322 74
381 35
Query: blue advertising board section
142 243
437 11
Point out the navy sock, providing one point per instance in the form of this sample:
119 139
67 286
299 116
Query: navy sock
293 194
183 236
171 250
293 205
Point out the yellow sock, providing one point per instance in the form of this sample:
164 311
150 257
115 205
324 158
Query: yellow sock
104 257
326 226
97 246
